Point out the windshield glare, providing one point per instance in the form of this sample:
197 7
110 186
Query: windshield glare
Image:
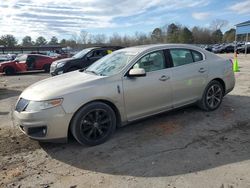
111 64
81 53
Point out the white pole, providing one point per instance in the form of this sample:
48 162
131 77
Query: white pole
246 45
235 41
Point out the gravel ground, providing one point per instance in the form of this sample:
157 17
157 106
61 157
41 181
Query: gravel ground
182 148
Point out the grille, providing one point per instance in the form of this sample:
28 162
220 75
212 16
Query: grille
21 105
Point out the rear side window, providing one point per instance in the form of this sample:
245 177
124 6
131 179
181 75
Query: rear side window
197 56
181 57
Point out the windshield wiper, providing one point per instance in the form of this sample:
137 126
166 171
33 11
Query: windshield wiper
83 69
93 72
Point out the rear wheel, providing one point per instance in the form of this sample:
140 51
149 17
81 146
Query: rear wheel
93 124
212 96
9 71
46 68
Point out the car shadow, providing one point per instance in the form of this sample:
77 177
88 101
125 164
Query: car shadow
172 143
7 93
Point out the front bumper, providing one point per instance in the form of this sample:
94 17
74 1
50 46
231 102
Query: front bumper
56 71
46 125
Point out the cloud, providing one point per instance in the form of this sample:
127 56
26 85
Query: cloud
201 15
241 7
66 17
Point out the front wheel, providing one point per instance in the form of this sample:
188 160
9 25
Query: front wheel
212 96
46 68
9 71
93 124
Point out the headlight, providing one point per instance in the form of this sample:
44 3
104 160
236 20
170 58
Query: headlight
35 106
61 64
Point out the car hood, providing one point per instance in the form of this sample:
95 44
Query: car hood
58 86
63 60
6 62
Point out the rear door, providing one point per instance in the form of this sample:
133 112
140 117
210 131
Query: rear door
189 75
149 94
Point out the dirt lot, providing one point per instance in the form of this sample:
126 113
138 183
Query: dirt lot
183 148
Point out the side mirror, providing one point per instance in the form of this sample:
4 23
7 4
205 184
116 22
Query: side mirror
137 72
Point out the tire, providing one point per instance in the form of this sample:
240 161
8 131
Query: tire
93 124
46 68
212 96
72 69
9 71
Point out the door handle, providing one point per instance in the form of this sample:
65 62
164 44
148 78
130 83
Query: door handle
202 70
164 78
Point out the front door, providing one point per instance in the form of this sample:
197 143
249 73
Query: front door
149 94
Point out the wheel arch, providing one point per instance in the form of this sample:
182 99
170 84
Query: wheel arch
107 102
45 66
221 81
8 66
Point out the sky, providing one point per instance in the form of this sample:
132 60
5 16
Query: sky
65 18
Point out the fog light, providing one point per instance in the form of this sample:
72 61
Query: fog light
37 131
60 72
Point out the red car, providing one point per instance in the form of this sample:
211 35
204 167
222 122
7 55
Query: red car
26 62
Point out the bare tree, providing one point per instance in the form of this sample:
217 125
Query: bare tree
115 39
83 37
99 38
218 24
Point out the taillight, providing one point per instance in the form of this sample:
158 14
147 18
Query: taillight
232 63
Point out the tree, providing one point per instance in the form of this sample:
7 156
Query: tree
63 42
218 24
217 36
115 39
172 33
157 35
201 35
83 37
70 43
229 36
27 41
99 38
186 36
8 40
41 41
53 41
141 38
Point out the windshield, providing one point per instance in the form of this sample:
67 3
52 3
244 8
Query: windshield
81 53
21 58
111 64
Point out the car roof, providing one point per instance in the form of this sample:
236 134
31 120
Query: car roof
141 48
40 55
104 47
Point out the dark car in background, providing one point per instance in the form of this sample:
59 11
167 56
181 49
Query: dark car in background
242 48
228 48
81 60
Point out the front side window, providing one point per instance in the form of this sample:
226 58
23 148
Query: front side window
181 57
152 62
